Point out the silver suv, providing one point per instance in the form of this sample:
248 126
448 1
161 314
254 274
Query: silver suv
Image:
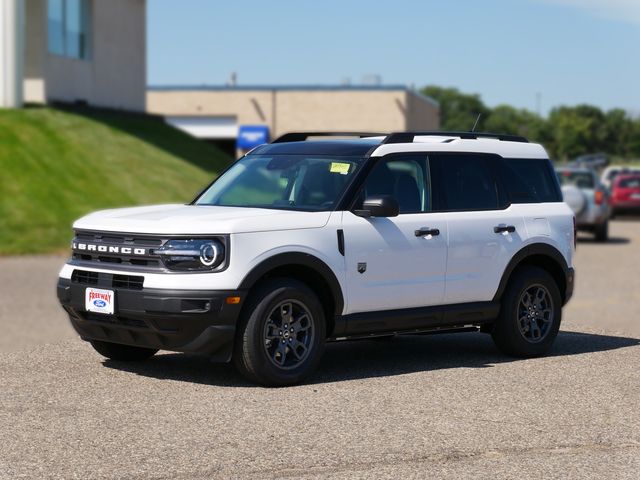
589 200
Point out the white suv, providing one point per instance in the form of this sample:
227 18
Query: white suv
304 241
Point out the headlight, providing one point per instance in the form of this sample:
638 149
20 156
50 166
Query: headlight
192 255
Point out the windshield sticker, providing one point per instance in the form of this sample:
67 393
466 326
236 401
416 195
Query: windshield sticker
341 168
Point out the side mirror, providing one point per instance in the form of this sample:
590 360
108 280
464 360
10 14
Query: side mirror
379 206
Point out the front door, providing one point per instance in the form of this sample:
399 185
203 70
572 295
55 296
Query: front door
398 262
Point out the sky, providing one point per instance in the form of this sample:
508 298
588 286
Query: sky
520 52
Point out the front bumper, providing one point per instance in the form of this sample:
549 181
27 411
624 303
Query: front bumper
192 321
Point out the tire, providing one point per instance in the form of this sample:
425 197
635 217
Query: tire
507 333
602 232
124 353
278 313
574 197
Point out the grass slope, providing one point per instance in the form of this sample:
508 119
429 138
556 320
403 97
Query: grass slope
57 165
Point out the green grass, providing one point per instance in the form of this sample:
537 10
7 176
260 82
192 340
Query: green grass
57 165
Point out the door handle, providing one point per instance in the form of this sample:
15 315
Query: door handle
504 228
424 231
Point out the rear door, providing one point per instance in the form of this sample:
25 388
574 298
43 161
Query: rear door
399 262
483 231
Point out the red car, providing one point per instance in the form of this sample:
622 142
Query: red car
625 195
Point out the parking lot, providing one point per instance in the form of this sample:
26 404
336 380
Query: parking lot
444 406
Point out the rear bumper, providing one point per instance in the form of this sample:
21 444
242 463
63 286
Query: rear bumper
627 207
190 321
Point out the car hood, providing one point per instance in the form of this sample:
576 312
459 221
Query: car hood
198 220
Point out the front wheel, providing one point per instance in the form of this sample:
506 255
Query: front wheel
125 353
530 314
281 334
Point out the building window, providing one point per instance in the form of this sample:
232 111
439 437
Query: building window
69 29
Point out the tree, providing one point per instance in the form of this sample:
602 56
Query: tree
634 138
618 132
576 131
566 133
507 119
458 111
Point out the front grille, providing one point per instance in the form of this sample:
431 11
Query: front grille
107 280
105 249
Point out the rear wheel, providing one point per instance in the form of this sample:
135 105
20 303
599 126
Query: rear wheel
530 315
281 334
125 353
602 231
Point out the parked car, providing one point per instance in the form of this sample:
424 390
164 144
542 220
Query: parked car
625 195
589 200
610 173
304 242
595 161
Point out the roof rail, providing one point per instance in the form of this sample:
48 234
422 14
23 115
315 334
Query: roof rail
302 136
408 137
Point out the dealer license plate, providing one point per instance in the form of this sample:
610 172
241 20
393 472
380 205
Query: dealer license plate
99 301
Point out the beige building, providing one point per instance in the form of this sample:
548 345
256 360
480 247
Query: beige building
85 51
216 113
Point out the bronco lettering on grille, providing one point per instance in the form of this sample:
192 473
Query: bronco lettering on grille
90 247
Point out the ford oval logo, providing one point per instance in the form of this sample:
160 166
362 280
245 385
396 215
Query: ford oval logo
100 303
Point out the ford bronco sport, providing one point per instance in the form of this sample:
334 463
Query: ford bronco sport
307 240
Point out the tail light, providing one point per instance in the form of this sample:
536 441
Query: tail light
599 197
575 234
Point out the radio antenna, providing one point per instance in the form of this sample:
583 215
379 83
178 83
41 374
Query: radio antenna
476 124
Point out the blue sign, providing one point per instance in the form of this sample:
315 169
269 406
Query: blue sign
250 136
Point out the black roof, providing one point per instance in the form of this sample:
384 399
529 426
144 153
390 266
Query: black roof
346 148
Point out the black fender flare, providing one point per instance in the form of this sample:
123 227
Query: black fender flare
543 249
297 259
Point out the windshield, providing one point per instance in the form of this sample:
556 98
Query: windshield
577 179
290 182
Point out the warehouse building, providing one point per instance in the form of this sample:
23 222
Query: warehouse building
80 51
231 114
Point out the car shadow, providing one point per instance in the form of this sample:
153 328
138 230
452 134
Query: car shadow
343 361
610 240
627 217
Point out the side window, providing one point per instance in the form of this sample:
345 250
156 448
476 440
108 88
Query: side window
463 182
406 178
529 180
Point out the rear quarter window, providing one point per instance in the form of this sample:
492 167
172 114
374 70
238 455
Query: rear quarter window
529 180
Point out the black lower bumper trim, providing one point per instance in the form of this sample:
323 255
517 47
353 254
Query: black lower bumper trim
191 321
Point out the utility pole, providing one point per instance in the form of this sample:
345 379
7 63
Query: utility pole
12 29
539 103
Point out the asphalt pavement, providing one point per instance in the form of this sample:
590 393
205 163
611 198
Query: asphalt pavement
442 406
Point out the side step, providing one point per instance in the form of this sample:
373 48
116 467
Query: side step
428 331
